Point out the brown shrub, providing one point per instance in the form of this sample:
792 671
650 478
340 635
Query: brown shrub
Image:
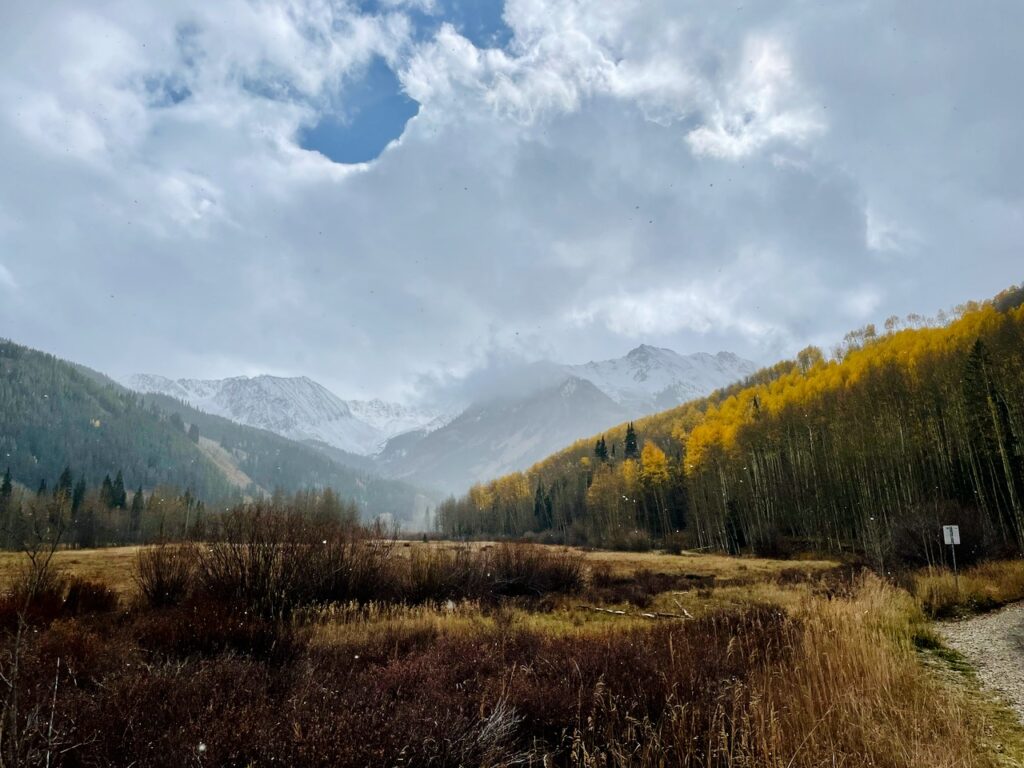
165 573
85 596
203 627
37 596
521 569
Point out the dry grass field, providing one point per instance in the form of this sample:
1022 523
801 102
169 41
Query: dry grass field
115 566
252 653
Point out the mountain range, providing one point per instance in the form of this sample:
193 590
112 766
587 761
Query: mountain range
297 408
433 449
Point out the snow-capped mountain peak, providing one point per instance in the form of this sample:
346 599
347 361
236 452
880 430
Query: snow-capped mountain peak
650 378
295 407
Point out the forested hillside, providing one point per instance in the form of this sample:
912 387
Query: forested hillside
56 415
870 451
52 415
275 462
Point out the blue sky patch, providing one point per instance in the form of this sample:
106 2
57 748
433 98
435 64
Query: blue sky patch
372 112
479 21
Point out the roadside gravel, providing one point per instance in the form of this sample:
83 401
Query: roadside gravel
994 645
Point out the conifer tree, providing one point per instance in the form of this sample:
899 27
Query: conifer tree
77 495
601 449
6 487
135 513
107 492
118 496
631 449
63 486
6 491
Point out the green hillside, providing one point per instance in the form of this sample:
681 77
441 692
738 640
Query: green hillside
52 415
275 462
55 414
870 451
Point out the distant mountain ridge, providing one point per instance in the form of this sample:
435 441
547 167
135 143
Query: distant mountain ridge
295 407
500 434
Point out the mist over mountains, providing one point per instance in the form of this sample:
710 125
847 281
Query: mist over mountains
522 415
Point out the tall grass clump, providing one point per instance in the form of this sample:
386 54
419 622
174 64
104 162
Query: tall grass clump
981 588
164 573
489 573
273 561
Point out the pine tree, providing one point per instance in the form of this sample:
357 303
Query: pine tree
107 492
632 449
601 449
193 433
6 487
63 486
6 491
78 495
135 514
118 496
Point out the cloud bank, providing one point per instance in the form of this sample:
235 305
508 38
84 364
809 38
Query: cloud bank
579 176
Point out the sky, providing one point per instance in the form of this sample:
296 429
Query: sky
393 194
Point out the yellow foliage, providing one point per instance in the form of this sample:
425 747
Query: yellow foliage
654 464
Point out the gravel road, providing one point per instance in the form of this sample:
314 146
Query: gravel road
994 645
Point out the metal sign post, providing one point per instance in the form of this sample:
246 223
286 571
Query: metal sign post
951 536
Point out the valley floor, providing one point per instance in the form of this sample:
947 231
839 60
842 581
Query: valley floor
655 659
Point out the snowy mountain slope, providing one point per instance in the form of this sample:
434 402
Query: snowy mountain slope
297 408
492 438
650 379
392 419
535 416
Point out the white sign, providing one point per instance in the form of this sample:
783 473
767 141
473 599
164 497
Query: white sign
951 534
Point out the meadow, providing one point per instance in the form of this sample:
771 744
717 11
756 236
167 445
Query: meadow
286 641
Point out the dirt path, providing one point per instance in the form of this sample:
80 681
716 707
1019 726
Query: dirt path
994 645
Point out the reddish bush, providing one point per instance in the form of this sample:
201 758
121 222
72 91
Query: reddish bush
204 627
84 597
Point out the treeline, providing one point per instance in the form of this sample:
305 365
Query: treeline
869 451
111 514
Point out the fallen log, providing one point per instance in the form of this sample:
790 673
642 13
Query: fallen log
644 615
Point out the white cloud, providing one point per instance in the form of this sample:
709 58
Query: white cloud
7 279
693 175
862 303
887 236
724 303
762 104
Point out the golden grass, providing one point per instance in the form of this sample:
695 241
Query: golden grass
852 692
114 566
861 692
699 564
981 588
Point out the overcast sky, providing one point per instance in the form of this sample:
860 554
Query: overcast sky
378 194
